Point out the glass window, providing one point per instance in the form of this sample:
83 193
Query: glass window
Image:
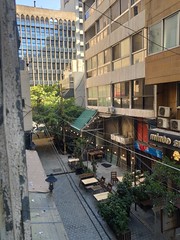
125 48
107 56
124 5
155 37
94 62
137 42
121 95
104 94
171 31
88 64
100 59
116 52
143 96
92 96
115 10
178 94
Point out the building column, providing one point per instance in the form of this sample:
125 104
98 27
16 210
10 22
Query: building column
14 200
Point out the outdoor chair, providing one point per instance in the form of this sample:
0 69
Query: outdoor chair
109 187
100 186
114 178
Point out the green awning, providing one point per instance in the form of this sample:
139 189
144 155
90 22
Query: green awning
83 119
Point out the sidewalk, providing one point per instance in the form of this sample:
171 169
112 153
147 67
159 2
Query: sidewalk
73 204
45 219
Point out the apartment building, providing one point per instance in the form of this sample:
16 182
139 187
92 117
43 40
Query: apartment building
162 68
115 51
132 77
48 42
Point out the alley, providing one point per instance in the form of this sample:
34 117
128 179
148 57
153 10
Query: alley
77 208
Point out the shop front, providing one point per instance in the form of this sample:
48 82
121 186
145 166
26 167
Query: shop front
169 141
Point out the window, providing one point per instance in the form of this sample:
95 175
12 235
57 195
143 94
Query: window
107 56
124 5
125 48
94 62
121 95
104 95
171 31
92 96
143 96
116 52
115 10
137 42
100 59
164 33
178 95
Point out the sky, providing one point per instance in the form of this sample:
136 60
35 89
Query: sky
50 4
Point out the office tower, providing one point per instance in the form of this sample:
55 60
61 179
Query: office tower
48 42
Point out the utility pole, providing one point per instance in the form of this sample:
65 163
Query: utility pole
14 199
62 111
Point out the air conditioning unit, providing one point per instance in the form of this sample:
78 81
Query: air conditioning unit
111 110
164 111
163 123
175 124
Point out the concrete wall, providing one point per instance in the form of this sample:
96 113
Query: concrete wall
27 110
14 200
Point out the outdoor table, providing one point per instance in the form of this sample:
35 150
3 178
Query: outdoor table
73 161
120 179
89 181
94 153
101 196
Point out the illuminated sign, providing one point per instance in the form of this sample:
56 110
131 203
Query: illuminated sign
165 138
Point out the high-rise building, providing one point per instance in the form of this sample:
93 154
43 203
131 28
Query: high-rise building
48 42
76 6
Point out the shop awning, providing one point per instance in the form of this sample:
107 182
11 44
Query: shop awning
84 119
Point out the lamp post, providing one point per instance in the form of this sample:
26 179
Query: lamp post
51 180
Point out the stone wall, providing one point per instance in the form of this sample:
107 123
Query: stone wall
14 200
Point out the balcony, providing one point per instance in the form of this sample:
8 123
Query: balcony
121 139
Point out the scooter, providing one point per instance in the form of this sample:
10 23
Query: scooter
51 187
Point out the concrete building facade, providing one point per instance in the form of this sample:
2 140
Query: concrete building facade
132 74
14 199
115 52
162 68
48 42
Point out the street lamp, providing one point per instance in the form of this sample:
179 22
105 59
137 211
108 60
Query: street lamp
51 180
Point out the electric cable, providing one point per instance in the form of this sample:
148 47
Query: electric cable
137 32
70 179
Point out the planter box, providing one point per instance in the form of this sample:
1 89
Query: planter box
124 236
146 205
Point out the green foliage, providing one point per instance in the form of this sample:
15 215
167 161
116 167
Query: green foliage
79 146
115 212
52 110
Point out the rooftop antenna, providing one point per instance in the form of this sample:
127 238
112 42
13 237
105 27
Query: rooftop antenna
34 3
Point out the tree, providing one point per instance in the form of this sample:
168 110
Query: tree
51 109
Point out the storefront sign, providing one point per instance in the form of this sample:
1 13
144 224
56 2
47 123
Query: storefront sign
164 138
152 151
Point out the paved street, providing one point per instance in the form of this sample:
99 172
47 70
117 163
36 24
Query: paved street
77 208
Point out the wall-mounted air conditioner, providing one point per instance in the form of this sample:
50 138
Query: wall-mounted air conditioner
164 111
163 123
111 110
175 124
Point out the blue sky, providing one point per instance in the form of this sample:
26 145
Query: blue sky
51 4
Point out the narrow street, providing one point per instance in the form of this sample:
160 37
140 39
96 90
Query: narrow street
77 208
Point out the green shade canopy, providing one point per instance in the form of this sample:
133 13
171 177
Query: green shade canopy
83 119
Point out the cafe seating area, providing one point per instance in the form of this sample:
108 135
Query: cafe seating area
98 187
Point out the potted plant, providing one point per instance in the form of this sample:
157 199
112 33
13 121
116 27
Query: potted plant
114 212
